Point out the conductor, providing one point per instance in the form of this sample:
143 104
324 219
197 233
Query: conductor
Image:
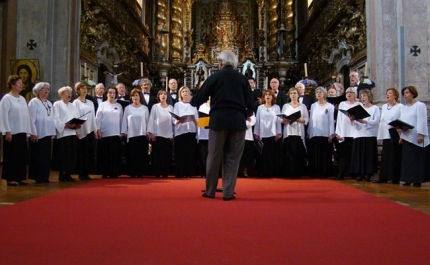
231 104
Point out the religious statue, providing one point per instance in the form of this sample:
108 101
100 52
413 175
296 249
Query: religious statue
249 72
200 74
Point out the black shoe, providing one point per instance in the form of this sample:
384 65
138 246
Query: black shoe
406 184
164 176
228 198
417 184
157 176
39 181
61 178
81 177
204 195
380 181
13 183
369 178
87 177
395 182
69 178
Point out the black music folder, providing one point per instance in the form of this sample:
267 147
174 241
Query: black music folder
336 100
401 124
394 135
184 118
259 145
292 117
80 120
358 112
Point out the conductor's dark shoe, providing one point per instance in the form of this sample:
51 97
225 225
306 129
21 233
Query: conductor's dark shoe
415 184
204 195
228 198
406 184
379 181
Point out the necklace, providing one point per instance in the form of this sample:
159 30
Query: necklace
388 108
47 107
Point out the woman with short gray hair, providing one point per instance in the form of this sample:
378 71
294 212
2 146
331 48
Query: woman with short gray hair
65 151
42 131
320 133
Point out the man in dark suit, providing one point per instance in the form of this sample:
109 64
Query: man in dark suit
256 93
120 87
147 99
231 100
172 94
304 99
281 97
354 79
100 95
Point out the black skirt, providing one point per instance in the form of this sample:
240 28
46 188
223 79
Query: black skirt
15 157
320 157
247 159
86 155
391 159
65 154
137 156
344 152
186 155
415 166
161 156
40 159
268 161
294 156
109 158
364 159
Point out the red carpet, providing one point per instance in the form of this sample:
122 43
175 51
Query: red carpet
272 221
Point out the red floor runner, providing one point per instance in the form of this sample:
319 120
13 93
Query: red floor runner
272 221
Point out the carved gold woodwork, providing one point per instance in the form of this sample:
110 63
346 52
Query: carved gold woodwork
177 27
162 22
272 29
110 21
336 21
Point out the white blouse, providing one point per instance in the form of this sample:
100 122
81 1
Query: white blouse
90 125
369 129
182 109
388 115
135 121
267 123
109 119
321 120
63 113
297 129
203 133
160 121
415 115
249 136
344 126
15 117
42 118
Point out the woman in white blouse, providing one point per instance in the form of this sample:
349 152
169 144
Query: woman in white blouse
185 136
321 132
86 132
160 130
294 136
203 140
42 131
65 144
344 129
108 121
391 155
364 159
15 126
415 166
134 129
268 130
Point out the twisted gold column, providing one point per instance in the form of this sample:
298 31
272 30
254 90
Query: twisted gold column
273 29
161 22
177 31
289 26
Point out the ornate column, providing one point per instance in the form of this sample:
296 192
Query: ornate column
273 29
162 23
177 29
